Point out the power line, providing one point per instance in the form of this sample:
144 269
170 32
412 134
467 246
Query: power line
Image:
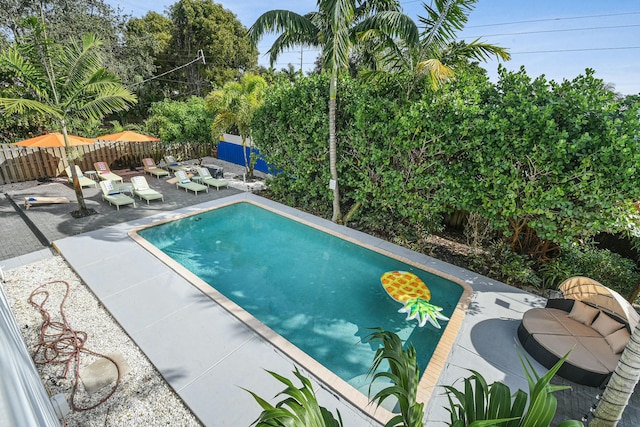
576 50
199 58
555 31
553 19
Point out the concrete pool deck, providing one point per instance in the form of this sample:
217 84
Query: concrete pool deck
207 355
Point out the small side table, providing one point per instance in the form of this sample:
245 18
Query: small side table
92 174
126 188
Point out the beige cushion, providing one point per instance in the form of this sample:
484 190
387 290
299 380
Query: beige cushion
583 313
618 340
605 325
580 354
542 320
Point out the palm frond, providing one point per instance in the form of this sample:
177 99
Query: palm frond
477 50
392 24
443 21
438 72
111 98
223 121
30 75
339 15
289 40
22 106
368 7
278 21
80 61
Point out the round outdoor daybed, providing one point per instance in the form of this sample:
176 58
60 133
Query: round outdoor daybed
591 321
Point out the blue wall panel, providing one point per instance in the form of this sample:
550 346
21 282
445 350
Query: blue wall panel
233 153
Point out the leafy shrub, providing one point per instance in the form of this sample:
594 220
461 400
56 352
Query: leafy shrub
500 262
612 270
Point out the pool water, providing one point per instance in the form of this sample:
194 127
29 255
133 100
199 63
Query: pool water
320 292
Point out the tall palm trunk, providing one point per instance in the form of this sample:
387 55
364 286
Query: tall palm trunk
333 90
244 154
620 386
82 207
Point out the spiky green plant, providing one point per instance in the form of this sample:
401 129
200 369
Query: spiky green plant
478 405
482 405
404 375
299 409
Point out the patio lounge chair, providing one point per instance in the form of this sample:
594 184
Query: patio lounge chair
206 178
105 174
114 196
151 168
141 189
183 181
84 181
591 320
173 165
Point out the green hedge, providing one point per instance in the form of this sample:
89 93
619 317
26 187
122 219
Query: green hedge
544 163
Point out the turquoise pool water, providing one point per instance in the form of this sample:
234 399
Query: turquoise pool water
318 291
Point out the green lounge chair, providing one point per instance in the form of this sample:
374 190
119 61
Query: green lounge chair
114 196
183 181
206 178
141 189
151 168
173 165
105 174
84 181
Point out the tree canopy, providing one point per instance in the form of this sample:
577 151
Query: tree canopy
207 26
180 121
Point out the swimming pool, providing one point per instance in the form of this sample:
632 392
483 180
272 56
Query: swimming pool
319 291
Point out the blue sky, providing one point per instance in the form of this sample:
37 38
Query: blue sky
559 39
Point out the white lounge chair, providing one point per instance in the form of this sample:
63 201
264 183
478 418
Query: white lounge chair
141 189
183 181
84 181
151 168
173 165
206 178
105 174
113 195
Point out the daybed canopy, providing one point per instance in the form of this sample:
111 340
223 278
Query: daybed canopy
588 290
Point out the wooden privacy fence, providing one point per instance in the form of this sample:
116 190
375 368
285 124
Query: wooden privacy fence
19 164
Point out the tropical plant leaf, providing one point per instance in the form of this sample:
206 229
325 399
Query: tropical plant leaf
299 408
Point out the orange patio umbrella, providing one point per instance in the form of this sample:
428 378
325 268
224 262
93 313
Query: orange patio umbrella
128 136
54 139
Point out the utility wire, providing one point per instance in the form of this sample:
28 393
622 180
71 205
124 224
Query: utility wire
553 19
199 58
538 20
555 31
576 50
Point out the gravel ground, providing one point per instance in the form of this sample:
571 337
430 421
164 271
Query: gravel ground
143 398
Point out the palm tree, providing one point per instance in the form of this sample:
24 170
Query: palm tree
438 54
336 27
235 104
63 83
621 385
